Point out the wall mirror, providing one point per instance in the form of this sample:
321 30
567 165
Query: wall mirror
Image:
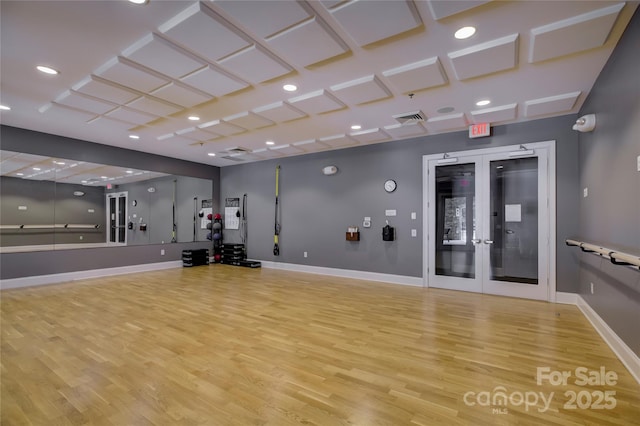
52 203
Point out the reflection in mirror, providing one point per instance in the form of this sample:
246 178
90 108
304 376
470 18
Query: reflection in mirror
158 211
50 203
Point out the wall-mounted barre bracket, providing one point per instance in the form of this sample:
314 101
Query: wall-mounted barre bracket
617 262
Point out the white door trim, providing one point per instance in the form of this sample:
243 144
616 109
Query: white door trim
550 145
116 195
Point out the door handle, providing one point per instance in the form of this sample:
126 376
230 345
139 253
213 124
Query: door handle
476 241
488 241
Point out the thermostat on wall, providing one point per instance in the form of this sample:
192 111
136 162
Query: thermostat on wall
330 170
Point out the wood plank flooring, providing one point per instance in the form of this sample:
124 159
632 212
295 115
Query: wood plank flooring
221 345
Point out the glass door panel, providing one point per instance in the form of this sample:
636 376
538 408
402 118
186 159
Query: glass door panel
454 263
111 213
513 218
122 214
455 220
517 223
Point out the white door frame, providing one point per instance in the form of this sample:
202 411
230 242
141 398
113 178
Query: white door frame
116 195
551 192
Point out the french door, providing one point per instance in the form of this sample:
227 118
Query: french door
488 221
116 217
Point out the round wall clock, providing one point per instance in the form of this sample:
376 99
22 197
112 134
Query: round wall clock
390 185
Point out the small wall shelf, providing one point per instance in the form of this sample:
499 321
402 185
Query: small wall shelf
353 236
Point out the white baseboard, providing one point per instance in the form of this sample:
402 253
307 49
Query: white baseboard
620 348
346 273
566 298
81 275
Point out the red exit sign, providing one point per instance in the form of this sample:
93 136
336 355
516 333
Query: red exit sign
479 130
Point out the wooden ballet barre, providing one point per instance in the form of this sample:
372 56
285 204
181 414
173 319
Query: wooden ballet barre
616 257
54 226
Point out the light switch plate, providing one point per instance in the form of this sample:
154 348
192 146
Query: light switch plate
389 212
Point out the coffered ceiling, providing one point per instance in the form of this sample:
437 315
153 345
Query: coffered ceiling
393 67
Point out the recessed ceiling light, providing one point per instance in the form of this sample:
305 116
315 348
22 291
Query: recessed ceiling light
483 102
465 32
129 171
194 118
47 70
211 154
356 127
139 1
4 108
134 137
270 142
290 87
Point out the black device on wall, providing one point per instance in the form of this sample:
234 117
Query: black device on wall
388 233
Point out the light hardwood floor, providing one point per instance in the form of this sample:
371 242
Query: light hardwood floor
221 345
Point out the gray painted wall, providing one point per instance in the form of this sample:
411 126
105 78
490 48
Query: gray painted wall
18 265
14 265
49 203
317 209
610 215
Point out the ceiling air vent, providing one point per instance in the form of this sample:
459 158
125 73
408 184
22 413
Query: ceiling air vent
235 153
410 117
238 150
233 157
